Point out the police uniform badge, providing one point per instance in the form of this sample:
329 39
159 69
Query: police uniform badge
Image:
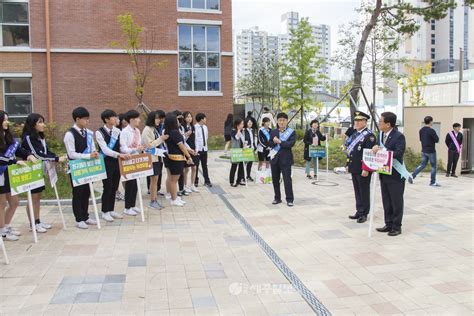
372 138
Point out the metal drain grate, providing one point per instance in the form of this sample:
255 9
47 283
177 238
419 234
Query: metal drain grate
308 296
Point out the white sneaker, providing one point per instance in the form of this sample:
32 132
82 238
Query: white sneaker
7 236
188 190
115 215
136 210
107 217
177 203
40 229
130 212
194 189
181 200
168 196
13 232
91 221
82 225
46 226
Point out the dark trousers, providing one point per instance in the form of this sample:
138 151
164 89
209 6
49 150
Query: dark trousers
277 171
240 172
181 182
160 177
249 169
110 185
453 158
392 200
362 193
131 189
80 202
203 162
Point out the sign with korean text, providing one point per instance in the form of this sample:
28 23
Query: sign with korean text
317 151
85 171
139 166
380 162
242 155
25 178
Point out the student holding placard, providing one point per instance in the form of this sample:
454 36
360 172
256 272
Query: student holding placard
108 139
312 137
9 150
80 145
33 140
152 139
131 143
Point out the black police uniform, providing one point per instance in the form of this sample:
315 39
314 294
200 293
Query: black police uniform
361 184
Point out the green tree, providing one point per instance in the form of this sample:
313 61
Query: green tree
415 83
399 16
140 55
299 70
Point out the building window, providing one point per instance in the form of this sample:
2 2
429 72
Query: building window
14 23
17 98
199 58
199 4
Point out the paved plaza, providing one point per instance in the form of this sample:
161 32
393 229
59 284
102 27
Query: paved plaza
231 252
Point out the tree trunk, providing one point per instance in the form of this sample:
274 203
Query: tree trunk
360 55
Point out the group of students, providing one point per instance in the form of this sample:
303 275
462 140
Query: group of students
174 140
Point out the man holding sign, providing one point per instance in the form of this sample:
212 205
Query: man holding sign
393 186
80 145
362 138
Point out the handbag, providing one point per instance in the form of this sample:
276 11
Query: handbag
264 176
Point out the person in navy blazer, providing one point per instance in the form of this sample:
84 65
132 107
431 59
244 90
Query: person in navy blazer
281 163
392 186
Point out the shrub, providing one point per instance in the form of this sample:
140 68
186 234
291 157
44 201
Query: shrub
413 159
337 158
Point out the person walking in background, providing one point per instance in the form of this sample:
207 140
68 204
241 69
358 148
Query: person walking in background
202 141
392 186
227 131
237 141
313 137
267 113
428 138
263 147
250 142
454 142
282 140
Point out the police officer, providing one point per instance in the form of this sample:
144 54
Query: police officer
362 138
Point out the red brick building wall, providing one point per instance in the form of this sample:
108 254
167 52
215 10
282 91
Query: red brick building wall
104 80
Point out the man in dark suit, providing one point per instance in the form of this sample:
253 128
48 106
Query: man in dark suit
454 143
361 138
393 186
282 139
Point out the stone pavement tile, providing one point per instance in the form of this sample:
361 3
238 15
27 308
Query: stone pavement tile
453 287
87 297
115 278
83 309
181 311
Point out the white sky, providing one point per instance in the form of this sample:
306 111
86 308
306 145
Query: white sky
266 14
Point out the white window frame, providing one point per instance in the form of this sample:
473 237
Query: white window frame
20 24
197 10
5 94
200 93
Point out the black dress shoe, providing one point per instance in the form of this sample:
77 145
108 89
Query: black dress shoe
384 229
250 179
362 219
447 175
208 184
395 232
242 183
290 204
454 176
275 202
179 193
355 216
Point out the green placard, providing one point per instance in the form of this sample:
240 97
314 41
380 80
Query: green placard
242 155
317 151
25 178
85 171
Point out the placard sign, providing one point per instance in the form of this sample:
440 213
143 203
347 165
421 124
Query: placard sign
85 171
317 151
380 162
25 178
52 173
139 166
242 155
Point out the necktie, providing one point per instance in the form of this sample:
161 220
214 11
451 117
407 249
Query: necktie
83 132
110 132
384 137
203 136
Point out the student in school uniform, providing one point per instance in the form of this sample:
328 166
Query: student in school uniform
179 115
161 115
33 141
131 143
190 133
108 139
121 124
314 137
152 139
250 142
10 149
263 147
237 141
79 144
202 137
